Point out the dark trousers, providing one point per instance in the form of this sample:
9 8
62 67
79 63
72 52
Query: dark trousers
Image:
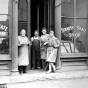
22 69
45 64
36 58
36 53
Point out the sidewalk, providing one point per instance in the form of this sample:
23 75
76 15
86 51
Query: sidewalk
40 75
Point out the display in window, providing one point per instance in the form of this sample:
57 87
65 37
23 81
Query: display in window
70 35
4 37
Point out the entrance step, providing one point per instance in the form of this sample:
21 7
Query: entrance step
4 72
73 68
74 63
5 67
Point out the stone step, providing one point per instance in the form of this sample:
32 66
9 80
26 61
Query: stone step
5 72
4 67
74 63
73 68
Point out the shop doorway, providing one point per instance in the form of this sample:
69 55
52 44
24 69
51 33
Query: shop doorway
23 18
37 16
37 19
40 15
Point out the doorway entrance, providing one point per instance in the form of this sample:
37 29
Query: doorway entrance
37 16
41 14
37 20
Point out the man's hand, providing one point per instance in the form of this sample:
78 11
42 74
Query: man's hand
32 39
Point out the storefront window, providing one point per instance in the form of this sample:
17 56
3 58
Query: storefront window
4 6
81 25
74 26
4 26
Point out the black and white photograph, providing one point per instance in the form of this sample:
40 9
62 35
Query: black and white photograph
43 43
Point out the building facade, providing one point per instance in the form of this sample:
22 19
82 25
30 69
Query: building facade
68 19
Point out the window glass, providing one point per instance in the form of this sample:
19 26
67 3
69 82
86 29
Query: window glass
4 5
81 25
74 26
67 26
4 37
4 26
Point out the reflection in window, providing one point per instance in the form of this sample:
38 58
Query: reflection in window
4 46
4 37
4 26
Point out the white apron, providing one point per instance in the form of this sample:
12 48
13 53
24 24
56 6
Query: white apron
51 54
53 44
23 58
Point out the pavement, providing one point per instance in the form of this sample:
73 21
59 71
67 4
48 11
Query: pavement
65 83
40 75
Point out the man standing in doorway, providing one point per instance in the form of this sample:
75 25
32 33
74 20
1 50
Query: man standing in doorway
44 45
35 51
23 58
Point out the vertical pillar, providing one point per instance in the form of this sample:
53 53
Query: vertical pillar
29 30
48 15
15 37
87 33
51 15
45 13
58 28
38 18
10 27
74 22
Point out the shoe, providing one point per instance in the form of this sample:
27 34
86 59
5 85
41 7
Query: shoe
24 72
33 68
45 69
38 67
48 72
21 73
